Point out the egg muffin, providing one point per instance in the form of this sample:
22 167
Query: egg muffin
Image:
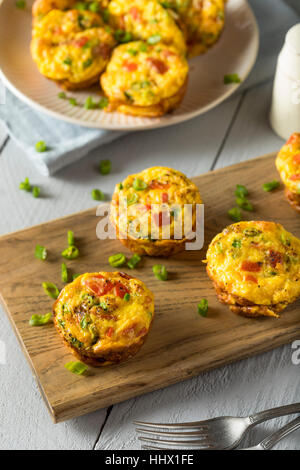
288 165
71 48
146 20
40 8
104 318
144 80
255 267
148 211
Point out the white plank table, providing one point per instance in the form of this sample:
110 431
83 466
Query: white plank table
236 131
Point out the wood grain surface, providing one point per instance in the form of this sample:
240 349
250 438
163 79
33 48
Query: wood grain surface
181 343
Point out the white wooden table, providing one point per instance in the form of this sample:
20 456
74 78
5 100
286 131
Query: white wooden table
235 131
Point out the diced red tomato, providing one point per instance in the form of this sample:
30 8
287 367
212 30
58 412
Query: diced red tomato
121 290
159 220
57 30
125 275
158 65
296 159
251 266
155 184
167 53
275 258
251 278
135 13
293 139
99 285
130 66
109 332
295 177
80 42
165 197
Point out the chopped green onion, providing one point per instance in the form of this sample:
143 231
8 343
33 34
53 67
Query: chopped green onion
103 102
105 15
139 185
25 185
134 261
81 6
105 167
231 78
87 63
244 204
235 214
160 272
39 320
154 39
71 252
75 276
64 273
94 7
40 252
97 195
122 36
73 101
285 241
271 186
132 52
127 297
241 191
251 232
132 199
71 239
67 61
117 260
120 186
51 289
143 47
203 307
76 367
21 4
36 191
89 103
62 95
41 146
237 243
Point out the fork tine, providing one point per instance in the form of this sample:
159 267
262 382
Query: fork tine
203 443
153 448
171 433
194 425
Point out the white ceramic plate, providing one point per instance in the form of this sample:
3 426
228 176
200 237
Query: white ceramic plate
235 52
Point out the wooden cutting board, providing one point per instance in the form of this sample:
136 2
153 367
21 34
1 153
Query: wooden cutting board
181 343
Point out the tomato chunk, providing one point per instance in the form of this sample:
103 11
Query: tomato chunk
80 42
159 220
295 177
158 65
109 332
165 197
121 290
296 159
99 285
251 266
130 66
135 13
293 139
251 278
125 275
155 184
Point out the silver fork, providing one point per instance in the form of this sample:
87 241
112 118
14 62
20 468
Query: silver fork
270 441
219 433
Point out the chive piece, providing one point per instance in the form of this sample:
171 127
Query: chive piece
87 63
62 95
21 4
105 15
39 320
241 191
40 252
134 261
237 243
75 276
71 252
143 47
105 167
120 186
76 367
127 297
160 272
81 6
36 191
67 61
41 146
25 185
97 195
271 186
51 289
203 307
122 36
231 78
89 103
132 199
117 260
154 39
94 7
132 52
64 273
139 185
73 101
71 239
103 102
235 214
244 204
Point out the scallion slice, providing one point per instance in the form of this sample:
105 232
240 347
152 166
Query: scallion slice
71 252
40 252
117 260
271 186
203 307
134 261
51 289
64 273
105 167
40 320
160 272
76 367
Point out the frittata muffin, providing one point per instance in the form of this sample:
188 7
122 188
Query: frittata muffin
40 8
255 267
146 20
72 47
288 165
144 80
202 22
148 211
104 318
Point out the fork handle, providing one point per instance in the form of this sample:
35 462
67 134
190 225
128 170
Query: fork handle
274 413
270 441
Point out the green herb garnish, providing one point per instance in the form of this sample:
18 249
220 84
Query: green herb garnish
71 239
76 367
89 103
241 191
51 289
271 186
40 252
203 307
40 320
235 214
41 146
97 195
73 101
132 199
71 252
25 185
134 261
64 273
154 39
139 185
244 204
87 63
94 7
103 102
127 297
132 52
21 4
62 95
231 78
105 167
67 61
160 272
122 36
237 243
36 191
117 260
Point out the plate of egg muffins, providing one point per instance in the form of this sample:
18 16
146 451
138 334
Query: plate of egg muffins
126 65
